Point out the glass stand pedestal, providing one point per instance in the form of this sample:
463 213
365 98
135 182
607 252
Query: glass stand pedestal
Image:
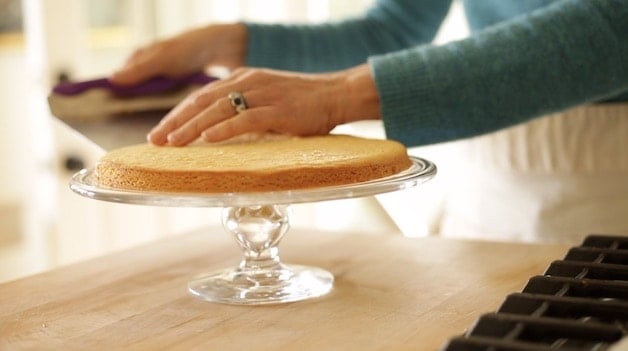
261 277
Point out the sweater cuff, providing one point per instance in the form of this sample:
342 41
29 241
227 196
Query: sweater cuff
406 95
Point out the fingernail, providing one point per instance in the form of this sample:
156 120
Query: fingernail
173 138
208 135
153 137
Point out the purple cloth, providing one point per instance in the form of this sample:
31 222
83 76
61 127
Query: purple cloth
156 85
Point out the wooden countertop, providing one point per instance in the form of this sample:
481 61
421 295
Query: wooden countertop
391 293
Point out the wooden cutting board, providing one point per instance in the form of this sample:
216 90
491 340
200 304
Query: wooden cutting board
391 293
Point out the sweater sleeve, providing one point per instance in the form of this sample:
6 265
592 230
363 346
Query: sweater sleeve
387 26
569 53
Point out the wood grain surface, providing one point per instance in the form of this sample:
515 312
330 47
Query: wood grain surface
390 293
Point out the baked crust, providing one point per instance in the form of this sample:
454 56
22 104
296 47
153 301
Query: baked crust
266 165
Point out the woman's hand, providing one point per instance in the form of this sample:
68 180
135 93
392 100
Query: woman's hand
277 102
189 52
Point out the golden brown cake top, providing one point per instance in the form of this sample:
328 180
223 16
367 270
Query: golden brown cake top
296 162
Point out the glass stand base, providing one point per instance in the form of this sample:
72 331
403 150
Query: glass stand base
242 286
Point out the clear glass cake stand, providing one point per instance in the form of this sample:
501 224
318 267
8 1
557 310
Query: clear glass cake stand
258 221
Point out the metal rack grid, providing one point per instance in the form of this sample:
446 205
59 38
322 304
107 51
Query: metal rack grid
580 303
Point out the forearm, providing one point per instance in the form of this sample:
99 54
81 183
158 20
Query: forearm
568 54
388 26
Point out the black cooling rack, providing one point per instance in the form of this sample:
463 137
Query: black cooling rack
579 303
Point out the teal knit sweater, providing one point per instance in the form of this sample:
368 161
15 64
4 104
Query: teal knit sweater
525 58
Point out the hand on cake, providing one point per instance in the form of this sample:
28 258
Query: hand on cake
276 102
189 52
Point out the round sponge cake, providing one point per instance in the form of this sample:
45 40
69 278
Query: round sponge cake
267 165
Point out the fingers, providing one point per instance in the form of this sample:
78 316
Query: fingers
139 67
159 58
199 112
177 117
193 128
129 75
244 122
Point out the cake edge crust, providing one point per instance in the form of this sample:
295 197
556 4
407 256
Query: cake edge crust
117 176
